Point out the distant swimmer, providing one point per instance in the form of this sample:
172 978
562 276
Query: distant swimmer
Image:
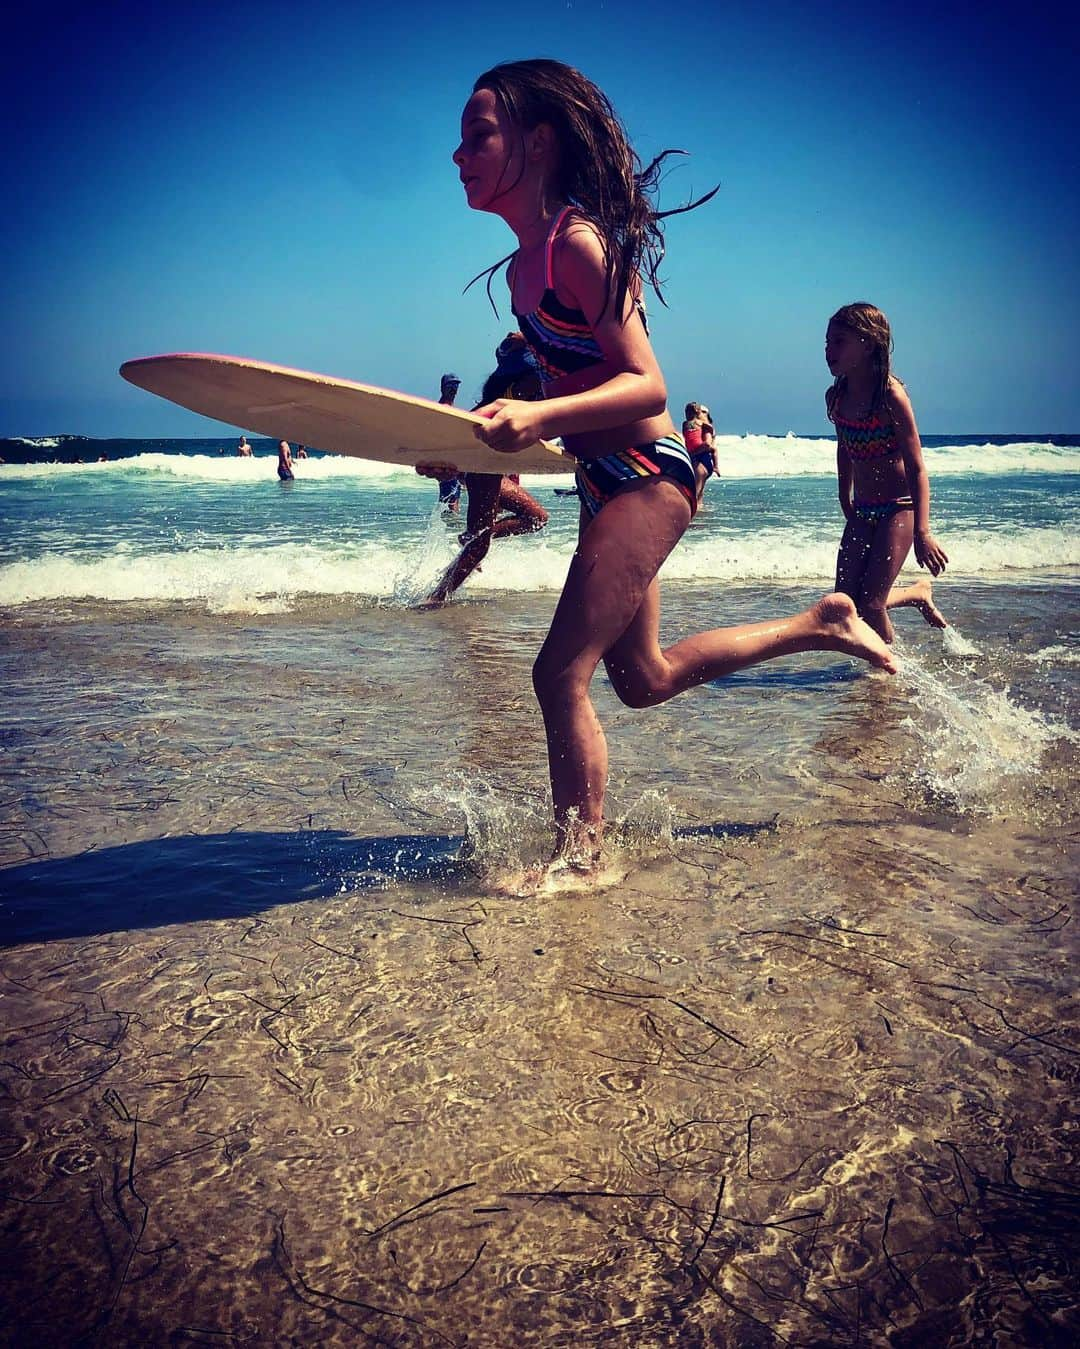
284 461
884 487
244 449
301 452
449 487
499 507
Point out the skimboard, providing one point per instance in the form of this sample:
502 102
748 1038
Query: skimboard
333 414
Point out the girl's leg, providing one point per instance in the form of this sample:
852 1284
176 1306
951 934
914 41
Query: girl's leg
526 515
643 675
617 558
852 563
483 490
889 546
852 557
919 595
610 608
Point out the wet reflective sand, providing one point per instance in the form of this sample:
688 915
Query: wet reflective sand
280 1068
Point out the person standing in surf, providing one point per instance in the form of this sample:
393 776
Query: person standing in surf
542 147
449 487
700 439
884 487
284 461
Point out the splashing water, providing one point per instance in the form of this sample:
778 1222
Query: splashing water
646 822
424 564
976 742
955 644
503 828
509 833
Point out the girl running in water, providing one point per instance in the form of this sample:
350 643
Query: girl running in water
542 148
884 489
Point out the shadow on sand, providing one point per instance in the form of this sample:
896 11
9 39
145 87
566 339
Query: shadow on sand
205 876
779 676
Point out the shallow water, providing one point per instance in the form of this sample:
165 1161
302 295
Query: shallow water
284 1063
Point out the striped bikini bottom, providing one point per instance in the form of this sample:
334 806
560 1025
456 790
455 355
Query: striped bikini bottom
599 479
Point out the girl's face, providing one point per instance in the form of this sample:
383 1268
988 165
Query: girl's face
490 154
845 350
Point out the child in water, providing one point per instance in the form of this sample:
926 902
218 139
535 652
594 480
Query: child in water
884 489
542 148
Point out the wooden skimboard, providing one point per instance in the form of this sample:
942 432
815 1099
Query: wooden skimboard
332 414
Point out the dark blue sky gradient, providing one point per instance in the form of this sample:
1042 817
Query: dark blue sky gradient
275 181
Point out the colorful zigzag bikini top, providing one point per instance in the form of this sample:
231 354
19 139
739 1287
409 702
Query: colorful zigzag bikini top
872 437
560 338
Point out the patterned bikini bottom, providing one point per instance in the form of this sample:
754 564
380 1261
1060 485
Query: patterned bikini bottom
599 479
875 512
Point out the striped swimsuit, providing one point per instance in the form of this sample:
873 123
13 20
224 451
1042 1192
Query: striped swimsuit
562 343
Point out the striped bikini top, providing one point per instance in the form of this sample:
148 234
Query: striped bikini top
872 437
559 338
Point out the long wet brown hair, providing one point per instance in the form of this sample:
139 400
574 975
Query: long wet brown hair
598 172
869 323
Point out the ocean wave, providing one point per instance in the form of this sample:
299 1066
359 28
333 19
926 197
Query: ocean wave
792 456
219 468
749 456
241 578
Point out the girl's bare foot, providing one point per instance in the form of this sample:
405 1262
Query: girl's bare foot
841 629
576 862
579 846
920 595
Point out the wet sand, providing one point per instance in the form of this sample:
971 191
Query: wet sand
281 1067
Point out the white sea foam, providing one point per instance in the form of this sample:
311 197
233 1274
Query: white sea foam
780 554
749 456
235 600
790 456
403 572
791 554
226 579
1056 655
222 468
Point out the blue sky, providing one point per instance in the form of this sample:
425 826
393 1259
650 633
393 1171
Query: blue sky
275 181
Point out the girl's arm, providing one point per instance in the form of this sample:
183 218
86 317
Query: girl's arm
633 391
928 552
843 461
